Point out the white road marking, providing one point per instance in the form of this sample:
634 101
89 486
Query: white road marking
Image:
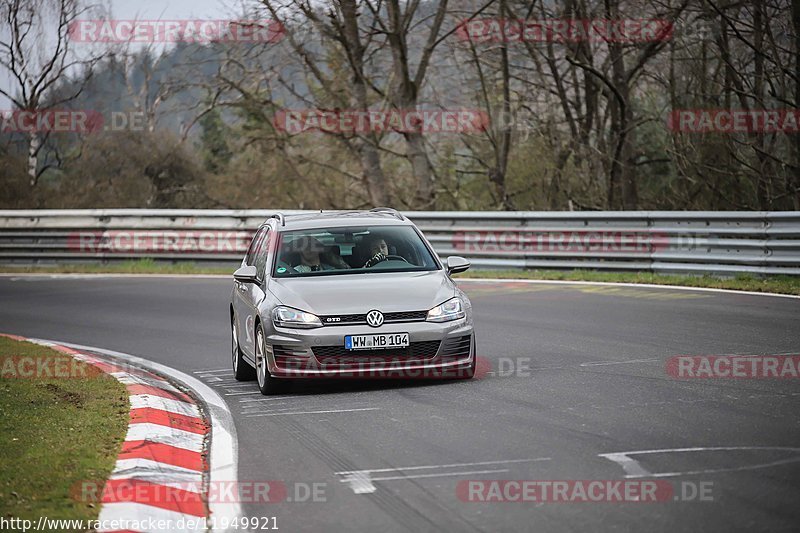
361 481
270 399
259 408
631 467
192 481
213 370
451 465
100 275
634 285
314 412
140 401
634 470
166 435
439 474
607 363
112 513
125 468
130 379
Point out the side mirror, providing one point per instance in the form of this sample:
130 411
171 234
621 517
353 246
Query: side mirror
456 264
246 274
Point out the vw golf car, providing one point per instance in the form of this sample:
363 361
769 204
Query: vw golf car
353 294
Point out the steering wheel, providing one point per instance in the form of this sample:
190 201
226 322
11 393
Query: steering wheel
386 258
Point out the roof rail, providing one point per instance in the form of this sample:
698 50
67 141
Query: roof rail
389 210
280 218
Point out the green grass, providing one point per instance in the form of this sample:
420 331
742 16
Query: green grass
141 266
55 434
776 284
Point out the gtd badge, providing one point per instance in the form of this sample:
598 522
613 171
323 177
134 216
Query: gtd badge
375 318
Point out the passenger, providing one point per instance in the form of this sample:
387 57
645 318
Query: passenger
333 258
310 250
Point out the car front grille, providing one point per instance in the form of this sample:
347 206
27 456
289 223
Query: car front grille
290 357
334 355
457 347
358 319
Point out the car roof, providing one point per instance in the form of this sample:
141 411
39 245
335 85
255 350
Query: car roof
323 219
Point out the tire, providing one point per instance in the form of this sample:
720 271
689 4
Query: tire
242 371
266 383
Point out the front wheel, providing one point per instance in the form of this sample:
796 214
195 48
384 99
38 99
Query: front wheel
241 370
266 383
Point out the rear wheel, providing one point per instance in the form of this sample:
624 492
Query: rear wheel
241 370
266 383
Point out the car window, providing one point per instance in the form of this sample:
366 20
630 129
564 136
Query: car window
261 253
250 258
350 250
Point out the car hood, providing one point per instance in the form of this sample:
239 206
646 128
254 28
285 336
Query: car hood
360 293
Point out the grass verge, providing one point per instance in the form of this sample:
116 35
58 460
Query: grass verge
59 427
141 266
744 282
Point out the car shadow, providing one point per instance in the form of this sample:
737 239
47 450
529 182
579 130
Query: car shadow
308 387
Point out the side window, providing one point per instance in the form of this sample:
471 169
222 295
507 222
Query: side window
252 252
261 254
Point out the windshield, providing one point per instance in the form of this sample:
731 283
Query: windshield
350 250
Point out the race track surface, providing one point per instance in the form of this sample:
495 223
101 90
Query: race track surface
577 371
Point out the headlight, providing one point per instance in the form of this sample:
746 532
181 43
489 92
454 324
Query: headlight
286 317
452 309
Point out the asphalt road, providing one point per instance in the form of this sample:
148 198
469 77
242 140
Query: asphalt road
577 372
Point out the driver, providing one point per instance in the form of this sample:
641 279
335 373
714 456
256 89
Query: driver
377 249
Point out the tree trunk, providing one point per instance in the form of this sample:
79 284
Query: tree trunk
34 145
367 145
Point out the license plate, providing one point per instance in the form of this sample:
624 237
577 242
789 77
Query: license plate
371 342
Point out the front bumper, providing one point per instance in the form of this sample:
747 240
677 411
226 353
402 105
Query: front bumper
319 353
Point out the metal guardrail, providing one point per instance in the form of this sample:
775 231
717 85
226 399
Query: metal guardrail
654 241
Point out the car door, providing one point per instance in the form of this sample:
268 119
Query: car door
255 292
244 295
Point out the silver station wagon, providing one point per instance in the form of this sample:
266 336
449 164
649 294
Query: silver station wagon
349 294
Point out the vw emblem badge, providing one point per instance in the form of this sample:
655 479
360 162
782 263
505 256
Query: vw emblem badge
375 318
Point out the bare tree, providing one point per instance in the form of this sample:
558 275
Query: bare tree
36 53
